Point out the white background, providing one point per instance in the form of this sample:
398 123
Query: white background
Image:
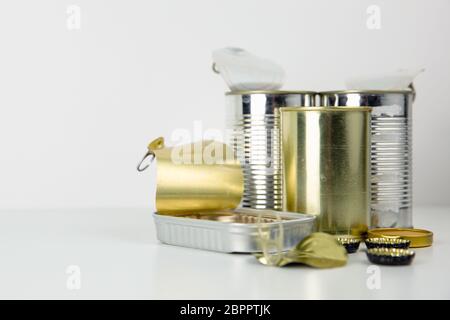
78 107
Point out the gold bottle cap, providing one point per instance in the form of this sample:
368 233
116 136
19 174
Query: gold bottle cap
419 238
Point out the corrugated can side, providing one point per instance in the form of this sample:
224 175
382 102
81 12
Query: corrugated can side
254 123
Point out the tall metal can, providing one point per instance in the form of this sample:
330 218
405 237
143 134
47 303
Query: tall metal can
254 121
391 155
326 166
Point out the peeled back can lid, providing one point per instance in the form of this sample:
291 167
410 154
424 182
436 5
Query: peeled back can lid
419 238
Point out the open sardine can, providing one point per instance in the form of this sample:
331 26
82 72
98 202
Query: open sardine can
199 188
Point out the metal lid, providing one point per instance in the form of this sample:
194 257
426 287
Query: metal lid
274 92
410 91
325 109
418 237
405 91
187 180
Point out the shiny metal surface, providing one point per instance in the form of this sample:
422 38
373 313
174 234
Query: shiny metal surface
391 158
419 237
201 176
253 118
326 166
225 234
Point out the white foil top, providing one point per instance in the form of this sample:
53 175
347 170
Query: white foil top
242 70
398 80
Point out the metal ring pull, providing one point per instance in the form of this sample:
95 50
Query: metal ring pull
214 68
272 258
156 144
139 167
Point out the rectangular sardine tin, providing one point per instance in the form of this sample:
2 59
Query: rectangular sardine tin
231 231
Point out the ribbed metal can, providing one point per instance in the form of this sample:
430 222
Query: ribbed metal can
391 152
253 120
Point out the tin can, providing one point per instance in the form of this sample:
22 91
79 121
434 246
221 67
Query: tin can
326 166
254 123
198 189
391 155
232 231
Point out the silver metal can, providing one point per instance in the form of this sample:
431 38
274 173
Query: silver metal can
391 152
254 121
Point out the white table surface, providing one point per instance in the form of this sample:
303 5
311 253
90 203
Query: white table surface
119 257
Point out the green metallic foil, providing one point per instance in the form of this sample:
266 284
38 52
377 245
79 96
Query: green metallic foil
318 250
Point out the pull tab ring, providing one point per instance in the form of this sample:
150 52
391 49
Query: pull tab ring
154 145
214 68
141 168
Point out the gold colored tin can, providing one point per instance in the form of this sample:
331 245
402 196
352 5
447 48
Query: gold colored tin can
326 166
391 164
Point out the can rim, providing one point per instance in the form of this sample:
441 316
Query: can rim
418 237
294 218
358 91
274 92
326 109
